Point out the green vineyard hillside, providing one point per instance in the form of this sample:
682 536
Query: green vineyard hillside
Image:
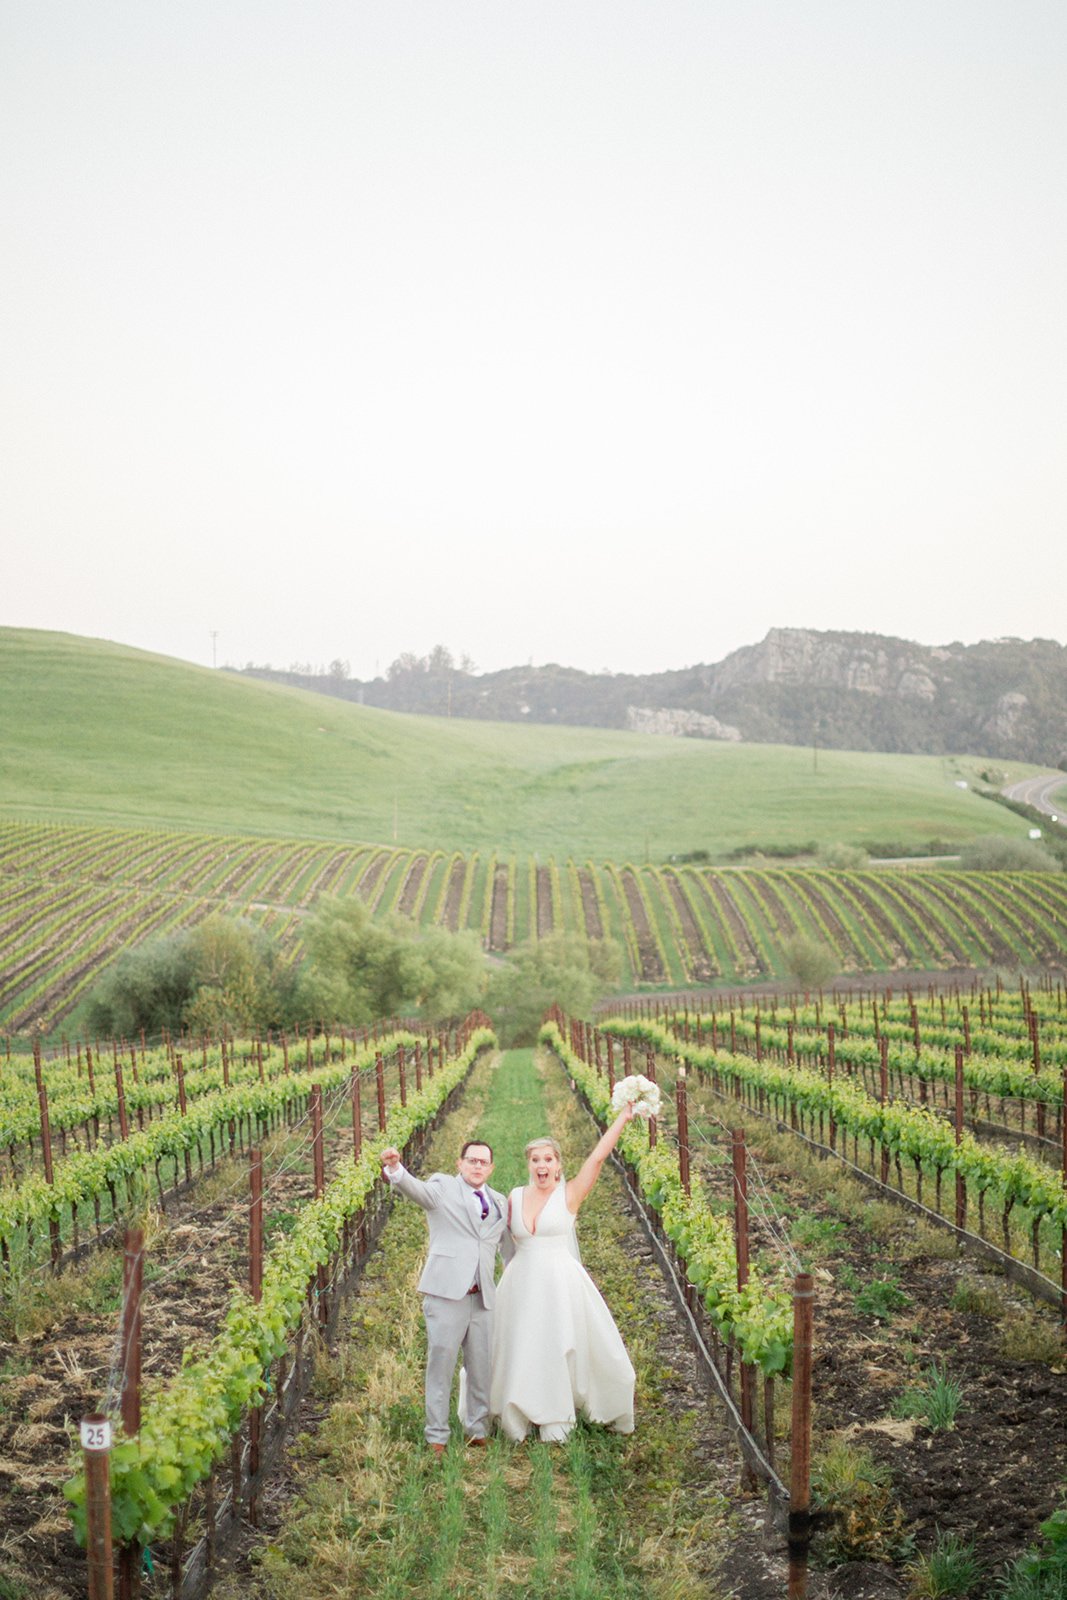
72 897
139 794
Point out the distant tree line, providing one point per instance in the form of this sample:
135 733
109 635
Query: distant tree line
1005 699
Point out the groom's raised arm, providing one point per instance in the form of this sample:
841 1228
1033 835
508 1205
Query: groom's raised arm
394 1172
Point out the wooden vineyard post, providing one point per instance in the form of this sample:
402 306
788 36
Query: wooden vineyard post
1036 1048
179 1071
961 1187
611 1065
54 1245
740 1167
96 1445
357 1114
136 1082
379 1071
132 1284
401 1064
255 1285
916 1036
831 1063
232 1128
682 1113
320 1185
1063 1173
418 1065
800 1444
316 1139
650 1074
883 1058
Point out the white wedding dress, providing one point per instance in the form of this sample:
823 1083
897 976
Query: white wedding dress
557 1353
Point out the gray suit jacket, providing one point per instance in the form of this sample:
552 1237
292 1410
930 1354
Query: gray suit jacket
463 1249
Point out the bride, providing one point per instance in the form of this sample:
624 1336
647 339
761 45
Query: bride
556 1350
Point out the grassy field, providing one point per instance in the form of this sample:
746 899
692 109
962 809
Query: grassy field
96 732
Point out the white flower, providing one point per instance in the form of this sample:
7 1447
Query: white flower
641 1091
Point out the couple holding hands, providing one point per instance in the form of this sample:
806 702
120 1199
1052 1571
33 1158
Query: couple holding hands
540 1348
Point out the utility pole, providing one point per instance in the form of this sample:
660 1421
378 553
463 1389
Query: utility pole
214 639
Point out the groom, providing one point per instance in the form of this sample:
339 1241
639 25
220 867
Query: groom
467 1227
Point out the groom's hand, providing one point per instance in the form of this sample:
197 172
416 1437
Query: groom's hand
390 1159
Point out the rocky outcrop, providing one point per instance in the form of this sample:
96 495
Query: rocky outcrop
1011 718
678 724
868 664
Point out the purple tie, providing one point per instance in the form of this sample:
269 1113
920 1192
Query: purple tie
483 1202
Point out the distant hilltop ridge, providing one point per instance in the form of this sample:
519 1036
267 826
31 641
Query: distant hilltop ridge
1002 698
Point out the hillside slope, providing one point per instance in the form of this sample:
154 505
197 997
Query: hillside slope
100 733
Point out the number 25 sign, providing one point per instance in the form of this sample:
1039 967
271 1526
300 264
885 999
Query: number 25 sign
96 1434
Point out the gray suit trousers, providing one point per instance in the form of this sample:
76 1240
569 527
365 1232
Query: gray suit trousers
452 1326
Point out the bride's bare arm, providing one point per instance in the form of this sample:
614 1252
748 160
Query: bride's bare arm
579 1186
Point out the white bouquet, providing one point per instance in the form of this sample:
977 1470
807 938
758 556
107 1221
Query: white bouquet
641 1091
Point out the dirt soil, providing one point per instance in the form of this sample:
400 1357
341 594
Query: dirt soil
48 1383
1002 1468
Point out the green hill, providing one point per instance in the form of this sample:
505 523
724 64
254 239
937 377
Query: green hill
99 733
138 794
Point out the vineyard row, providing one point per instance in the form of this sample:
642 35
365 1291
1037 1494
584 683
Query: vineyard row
191 1425
71 898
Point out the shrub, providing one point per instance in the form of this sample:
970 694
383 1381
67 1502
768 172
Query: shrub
562 969
360 969
222 973
809 963
843 857
855 1489
999 852
881 1297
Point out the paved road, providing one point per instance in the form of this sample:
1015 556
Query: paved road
1041 793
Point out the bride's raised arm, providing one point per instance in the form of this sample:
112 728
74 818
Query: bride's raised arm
579 1186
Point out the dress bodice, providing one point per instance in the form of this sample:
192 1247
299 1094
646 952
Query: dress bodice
555 1225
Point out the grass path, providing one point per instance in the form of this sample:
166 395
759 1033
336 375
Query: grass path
367 1509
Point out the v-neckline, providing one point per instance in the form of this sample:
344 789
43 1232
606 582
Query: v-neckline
533 1231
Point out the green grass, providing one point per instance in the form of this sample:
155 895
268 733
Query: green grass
951 1568
101 733
934 1402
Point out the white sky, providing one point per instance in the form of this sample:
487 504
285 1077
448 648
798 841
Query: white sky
586 331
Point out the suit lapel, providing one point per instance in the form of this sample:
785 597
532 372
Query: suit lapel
466 1205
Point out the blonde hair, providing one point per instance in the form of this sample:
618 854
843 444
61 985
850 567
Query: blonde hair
540 1144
